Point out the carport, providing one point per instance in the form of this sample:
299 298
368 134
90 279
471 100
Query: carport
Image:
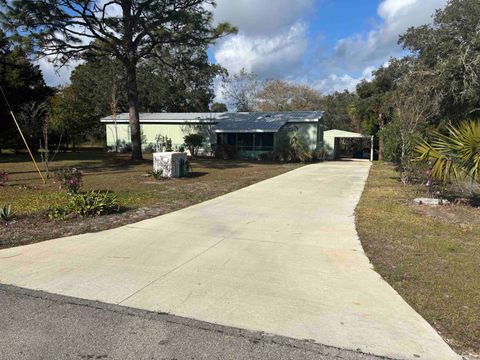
341 144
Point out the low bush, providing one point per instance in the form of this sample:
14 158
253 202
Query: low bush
6 212
294 149
194 142
126 148
224 151
3 178
69 179
267 156
163 143
317 155
92 203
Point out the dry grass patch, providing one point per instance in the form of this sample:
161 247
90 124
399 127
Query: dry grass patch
431 256
142 196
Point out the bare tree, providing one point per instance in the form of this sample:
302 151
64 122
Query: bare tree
415 103
280 95
241 90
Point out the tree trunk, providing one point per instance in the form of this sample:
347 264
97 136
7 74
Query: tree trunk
132 92
130 61
381 124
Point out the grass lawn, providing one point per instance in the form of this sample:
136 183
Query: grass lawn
430 255
143 196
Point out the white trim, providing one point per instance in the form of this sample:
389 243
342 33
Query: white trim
171 122
245 131
303 121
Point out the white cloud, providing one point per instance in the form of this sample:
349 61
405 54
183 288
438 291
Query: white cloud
274 56
334 82
358 51
254 17
54 76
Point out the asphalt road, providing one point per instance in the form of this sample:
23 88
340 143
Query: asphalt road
38 325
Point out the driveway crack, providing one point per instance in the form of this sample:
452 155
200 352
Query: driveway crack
171 271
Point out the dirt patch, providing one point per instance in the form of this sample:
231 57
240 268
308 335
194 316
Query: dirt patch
459 214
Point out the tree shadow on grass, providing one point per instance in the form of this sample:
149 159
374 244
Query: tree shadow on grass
196 174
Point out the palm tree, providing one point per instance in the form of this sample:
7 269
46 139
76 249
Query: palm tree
456 156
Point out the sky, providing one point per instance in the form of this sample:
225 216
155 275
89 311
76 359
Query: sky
330 45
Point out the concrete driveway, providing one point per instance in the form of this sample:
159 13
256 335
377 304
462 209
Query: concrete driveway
281 256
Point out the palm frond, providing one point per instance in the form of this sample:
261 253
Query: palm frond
455 156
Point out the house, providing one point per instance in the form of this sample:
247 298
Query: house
249 133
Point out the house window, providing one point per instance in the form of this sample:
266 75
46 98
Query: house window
227 139
264 141
247 141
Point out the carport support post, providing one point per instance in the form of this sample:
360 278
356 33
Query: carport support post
372 141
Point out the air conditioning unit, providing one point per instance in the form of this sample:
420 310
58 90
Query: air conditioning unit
170 164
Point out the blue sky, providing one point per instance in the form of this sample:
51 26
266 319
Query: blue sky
330 45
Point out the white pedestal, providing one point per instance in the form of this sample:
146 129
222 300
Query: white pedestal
169 164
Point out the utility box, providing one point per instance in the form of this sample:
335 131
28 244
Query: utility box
170 164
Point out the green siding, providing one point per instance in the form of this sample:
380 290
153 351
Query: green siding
308 132
176 132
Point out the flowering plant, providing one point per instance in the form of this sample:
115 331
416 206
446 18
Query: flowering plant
70 179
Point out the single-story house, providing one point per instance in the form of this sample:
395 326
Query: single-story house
346 144
250 133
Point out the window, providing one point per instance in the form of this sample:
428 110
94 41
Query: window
264 141
227 139
245 141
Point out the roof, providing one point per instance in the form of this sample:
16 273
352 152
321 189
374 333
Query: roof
227 122
342 134
263 121
166 118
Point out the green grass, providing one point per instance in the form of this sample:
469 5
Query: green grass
431 256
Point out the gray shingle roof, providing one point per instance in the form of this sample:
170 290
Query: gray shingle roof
228 122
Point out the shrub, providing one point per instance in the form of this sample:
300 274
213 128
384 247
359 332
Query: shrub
126 148
6 212
58 212
456 156
317 155
267 156
70 179
224 151
193 142
294 149
92 203
3 178
391 148
163 143
150 148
